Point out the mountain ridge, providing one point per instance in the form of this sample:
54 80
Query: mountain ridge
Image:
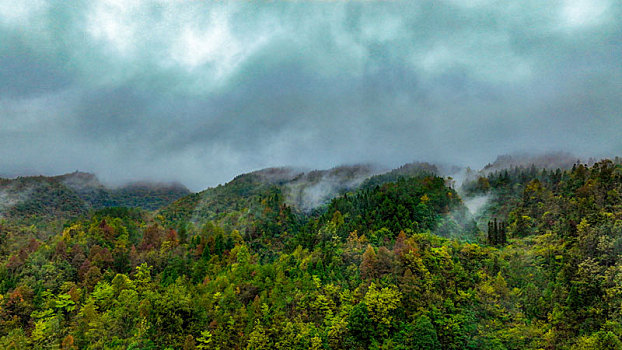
73 194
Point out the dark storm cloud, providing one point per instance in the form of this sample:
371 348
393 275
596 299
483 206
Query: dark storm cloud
201 91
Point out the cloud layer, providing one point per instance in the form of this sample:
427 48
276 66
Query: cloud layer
199 91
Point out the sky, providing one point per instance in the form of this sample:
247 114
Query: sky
200 91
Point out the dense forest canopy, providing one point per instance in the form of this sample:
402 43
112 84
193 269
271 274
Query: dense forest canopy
393 261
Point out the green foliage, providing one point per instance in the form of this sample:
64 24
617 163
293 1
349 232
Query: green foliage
414 204
235 267
425 337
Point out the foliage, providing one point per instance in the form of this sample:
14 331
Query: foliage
236 267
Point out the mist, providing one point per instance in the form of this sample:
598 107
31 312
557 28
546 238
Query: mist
9 197
309 190
476 204
200 91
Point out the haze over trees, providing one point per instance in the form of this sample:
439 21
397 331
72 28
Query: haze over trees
393 261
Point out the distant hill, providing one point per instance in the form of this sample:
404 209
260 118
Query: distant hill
228 202
299 189
473 185
551 160
88 188
71 195
146 195
312 189
38 197
415 169
238 202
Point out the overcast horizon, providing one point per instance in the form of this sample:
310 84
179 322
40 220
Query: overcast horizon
201 91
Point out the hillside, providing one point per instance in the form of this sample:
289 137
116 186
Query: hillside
303 191
41 198
38 197
393 261
552 160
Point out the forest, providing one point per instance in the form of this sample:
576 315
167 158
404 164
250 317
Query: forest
394 262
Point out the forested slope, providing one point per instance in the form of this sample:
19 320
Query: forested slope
396 264
40 199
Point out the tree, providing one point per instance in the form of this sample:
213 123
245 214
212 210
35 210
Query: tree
381 303
424 335
360 325
368 264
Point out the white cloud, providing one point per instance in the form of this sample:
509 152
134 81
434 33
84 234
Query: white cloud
114 23
584 13
216 44
212 51
487 57
21 12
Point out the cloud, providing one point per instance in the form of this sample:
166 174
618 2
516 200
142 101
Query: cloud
199 91
580 13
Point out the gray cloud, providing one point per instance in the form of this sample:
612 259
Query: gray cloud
199 91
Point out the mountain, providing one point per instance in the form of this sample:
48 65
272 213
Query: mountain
474 185
231 200
312 189
88 188
415 169
387 259
74 194
38 197
145 195
551 160
251 201
301 190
